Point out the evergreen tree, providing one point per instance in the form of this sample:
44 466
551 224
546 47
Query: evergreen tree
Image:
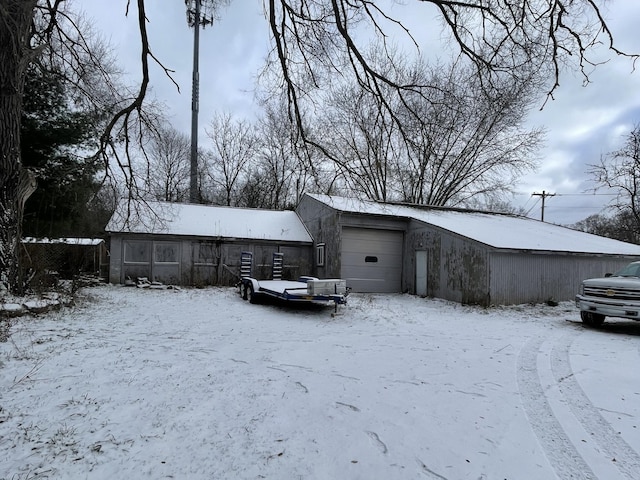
54 137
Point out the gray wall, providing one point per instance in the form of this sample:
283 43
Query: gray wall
203 261
466 271
457 269
323 224
521 277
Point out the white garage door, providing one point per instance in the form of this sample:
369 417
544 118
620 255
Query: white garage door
372 259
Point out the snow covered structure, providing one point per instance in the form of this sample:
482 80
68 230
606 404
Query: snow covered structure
185 244
465 256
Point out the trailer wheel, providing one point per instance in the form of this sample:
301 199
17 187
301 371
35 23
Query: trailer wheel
249 295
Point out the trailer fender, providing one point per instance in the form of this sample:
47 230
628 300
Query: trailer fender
248 287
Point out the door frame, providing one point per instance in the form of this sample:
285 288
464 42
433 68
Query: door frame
421 266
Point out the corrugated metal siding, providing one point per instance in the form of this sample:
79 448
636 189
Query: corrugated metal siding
519 277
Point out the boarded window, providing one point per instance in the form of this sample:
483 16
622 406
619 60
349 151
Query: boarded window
205 253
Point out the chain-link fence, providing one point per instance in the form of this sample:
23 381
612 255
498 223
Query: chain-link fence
44 262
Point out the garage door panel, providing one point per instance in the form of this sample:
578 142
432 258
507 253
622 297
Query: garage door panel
386 241
376 254
364 274
372 259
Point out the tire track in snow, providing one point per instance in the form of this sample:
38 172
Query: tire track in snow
377 441
560 450
610 443
424 470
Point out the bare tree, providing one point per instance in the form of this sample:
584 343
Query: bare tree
464 140
234 145
362 141
314 40
283 169
168 169
620 171
621 226
454 140
274 167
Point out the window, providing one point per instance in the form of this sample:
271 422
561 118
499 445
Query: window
165 252
320 253
137 252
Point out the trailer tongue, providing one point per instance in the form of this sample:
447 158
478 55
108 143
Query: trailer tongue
304 290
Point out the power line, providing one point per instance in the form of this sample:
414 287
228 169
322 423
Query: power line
576 194
586 194
532 207
574 207
544 195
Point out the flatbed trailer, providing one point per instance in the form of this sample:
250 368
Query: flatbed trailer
304 290
294 291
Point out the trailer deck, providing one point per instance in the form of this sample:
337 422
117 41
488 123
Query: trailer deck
304 290
293 291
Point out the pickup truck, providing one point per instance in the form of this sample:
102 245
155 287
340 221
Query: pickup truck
614 295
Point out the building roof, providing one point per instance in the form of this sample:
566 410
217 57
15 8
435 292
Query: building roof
493 229
66 241
207 221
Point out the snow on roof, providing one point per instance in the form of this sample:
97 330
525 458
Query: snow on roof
496 230
66 241
207 221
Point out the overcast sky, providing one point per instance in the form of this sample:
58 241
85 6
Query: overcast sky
582 122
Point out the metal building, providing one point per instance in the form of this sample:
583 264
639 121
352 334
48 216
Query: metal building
186 244
364 248
466 256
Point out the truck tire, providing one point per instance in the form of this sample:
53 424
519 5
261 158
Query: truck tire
593 319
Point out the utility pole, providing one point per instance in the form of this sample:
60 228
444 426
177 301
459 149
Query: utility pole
195 19
543 195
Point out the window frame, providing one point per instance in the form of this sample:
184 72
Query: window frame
321 255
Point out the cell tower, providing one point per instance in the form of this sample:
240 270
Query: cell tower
197 16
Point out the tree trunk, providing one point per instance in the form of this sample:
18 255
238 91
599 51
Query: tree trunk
16 183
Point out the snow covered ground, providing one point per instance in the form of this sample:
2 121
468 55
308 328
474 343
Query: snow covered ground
198 384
